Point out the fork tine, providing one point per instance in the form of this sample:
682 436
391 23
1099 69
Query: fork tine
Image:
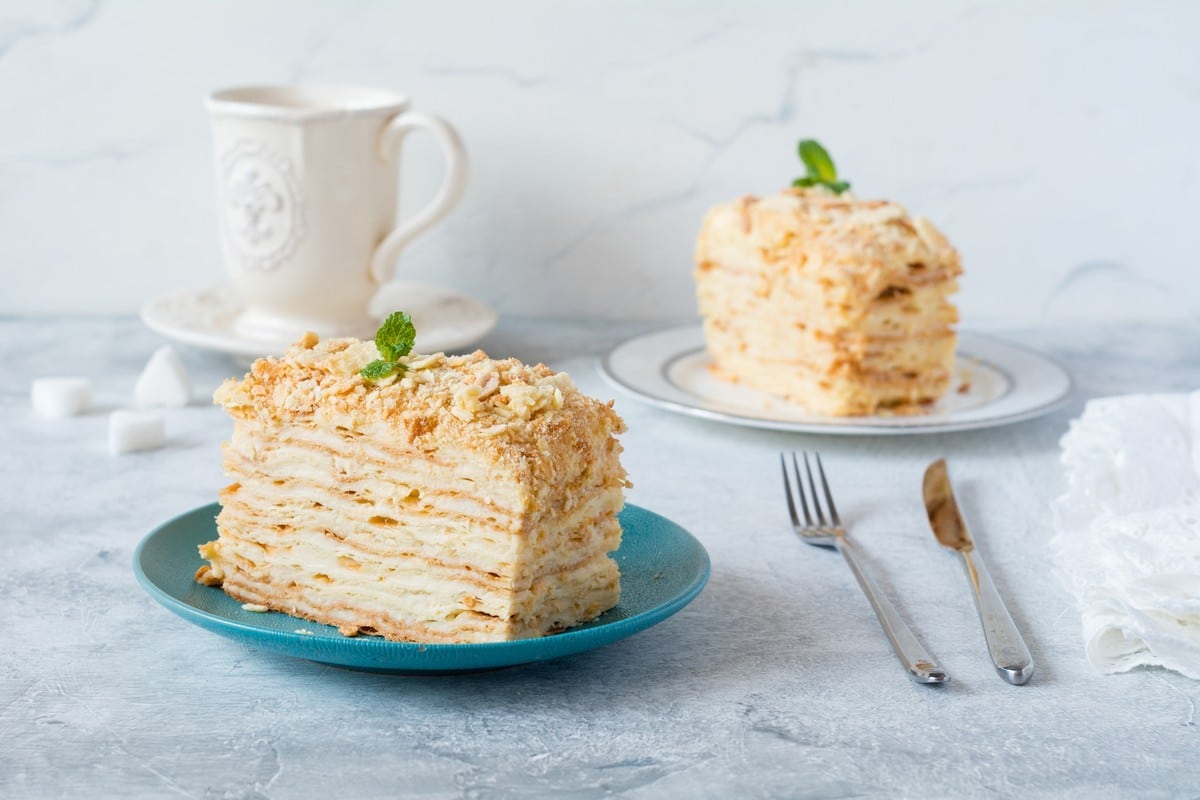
812 485
828 495
800 490
787 490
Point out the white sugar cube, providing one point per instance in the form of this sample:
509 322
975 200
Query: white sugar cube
131 431
61 397
164 381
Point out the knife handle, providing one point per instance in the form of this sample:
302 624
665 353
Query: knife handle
912 654
1009 653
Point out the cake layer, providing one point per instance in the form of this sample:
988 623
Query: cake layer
405 599
775 344
498 558
429 588
848 392
299 481
900 309
853 292
861 246
485 414
378 467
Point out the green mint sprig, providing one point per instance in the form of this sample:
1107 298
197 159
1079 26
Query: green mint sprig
821 171
393 340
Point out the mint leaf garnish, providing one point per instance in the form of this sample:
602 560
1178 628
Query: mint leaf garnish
820 167
393 340
379 369
817 160
396 336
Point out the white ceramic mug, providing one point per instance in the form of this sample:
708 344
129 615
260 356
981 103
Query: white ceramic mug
307 190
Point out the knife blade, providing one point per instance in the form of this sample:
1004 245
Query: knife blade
1009 653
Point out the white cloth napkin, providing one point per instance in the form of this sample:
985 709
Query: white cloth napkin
1128 530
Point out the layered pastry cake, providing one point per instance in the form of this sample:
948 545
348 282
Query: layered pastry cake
837 304
458 499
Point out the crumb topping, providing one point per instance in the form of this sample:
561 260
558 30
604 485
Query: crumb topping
813 228
455 397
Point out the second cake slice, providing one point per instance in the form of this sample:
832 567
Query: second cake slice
837 304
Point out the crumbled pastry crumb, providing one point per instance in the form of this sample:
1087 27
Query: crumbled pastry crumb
206 576
255 607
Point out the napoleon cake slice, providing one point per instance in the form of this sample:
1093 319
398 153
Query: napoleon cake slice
457 499
837 304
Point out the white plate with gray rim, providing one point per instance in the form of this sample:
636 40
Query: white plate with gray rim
995 383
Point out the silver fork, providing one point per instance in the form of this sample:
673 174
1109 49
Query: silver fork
915 658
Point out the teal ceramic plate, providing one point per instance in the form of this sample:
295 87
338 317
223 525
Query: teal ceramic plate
663 567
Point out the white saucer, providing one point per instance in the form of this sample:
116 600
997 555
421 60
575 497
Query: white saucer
994 384
445 320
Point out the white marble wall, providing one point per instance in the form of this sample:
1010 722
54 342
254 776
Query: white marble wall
1054 142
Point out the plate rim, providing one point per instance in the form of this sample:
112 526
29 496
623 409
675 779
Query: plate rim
250 347
611 375
503 654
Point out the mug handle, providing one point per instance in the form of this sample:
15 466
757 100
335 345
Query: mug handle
383 260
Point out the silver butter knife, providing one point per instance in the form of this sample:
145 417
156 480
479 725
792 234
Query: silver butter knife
1007 648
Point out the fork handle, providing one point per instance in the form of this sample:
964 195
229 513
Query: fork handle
912 654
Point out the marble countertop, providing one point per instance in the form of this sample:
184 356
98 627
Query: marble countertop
775 682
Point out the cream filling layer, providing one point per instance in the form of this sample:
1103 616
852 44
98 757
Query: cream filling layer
932 351
836 394
901 307
439 522
503 560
